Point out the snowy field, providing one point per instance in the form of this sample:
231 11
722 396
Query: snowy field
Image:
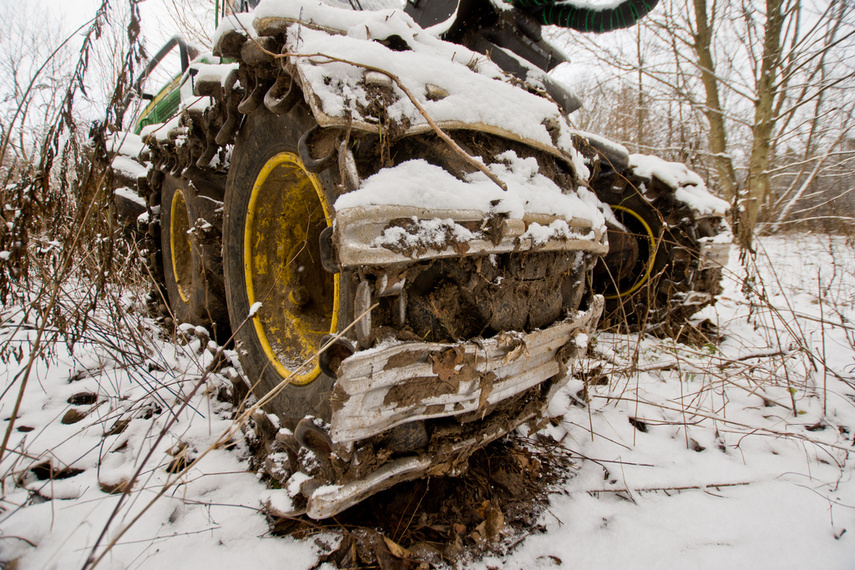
732 454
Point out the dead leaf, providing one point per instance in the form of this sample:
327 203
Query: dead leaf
396 549
113 488
445 362
345 556
460 248
518 351
486 386
494 522
521 458
72 416
455 548
515 340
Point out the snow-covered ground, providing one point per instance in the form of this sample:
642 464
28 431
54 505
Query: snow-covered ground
733 454
745 462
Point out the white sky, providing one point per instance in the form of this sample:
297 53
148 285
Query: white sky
68 15
73 13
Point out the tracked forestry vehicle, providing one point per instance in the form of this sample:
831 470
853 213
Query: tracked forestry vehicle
391 214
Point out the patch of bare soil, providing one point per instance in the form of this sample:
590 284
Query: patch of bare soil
441 521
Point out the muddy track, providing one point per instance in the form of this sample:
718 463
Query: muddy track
445 343
441 521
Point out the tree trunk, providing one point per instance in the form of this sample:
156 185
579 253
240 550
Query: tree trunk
702 36
757 182
639 118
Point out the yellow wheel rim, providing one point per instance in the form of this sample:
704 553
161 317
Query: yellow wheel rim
651 255
179 245
282 267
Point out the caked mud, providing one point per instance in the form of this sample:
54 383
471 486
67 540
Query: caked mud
438 522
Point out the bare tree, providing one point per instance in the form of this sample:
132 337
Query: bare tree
195 19
770 80
32 73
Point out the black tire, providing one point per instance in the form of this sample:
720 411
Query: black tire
293 206
665 268
192 265
626 277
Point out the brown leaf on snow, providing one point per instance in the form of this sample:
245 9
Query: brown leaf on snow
72 416
113 488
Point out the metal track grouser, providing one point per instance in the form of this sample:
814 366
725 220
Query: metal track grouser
393 216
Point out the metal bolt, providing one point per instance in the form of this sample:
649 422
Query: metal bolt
299 296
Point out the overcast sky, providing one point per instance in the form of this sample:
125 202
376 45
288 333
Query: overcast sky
68 16
72 13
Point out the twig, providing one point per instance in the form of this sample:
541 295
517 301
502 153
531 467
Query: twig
436 128
676 362
37 347
26 94
91 561
27 540
822 329
594 492
732 422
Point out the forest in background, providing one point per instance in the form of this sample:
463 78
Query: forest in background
756 96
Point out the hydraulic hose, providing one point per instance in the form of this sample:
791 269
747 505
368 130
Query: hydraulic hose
583 17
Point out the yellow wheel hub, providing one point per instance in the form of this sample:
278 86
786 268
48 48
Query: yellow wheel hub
179 245
299 300
650 238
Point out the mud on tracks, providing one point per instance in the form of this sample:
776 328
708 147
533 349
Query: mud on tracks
443 521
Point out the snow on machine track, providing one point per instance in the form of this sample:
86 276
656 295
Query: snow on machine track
399 235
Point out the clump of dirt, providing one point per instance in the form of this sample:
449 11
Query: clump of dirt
435 522
454 299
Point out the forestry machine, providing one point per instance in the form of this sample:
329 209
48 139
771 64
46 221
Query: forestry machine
391 214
